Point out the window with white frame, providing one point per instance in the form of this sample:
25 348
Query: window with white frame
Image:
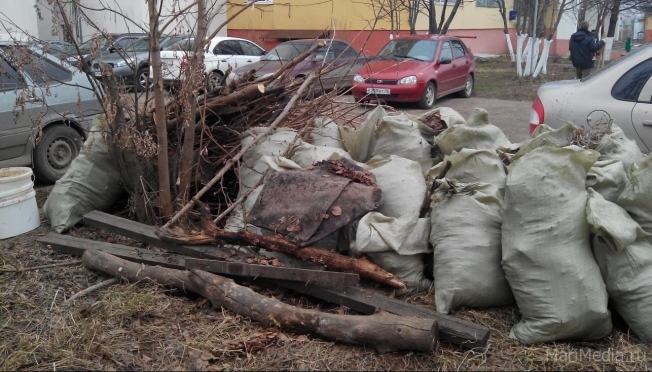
487 3
262 2
450 2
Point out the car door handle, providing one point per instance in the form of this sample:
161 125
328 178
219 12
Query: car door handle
249 61
647 123
454 66
467 62
224 60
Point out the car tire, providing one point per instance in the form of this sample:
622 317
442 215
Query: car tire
429 96
57 148
468 87
142 78
214 80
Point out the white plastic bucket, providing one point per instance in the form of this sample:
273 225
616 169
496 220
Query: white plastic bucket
18 209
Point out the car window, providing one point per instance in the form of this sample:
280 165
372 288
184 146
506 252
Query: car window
343 50
327 52
229 47
458 49
420 50
40 69
171 40
139 45
123 42
629 86
250 49
285 51
186 45
618 62
95 43
446 52
9 79
646 92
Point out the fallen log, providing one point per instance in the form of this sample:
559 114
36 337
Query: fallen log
332 260
383 331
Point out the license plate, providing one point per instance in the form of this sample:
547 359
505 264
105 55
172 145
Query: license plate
377 91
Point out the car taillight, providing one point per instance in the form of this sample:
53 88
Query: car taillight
537 115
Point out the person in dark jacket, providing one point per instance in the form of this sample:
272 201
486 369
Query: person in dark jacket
583 45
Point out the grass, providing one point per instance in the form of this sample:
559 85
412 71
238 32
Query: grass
497 79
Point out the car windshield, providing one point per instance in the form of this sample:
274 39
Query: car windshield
182 46
418 50
97 43
285 51
617 62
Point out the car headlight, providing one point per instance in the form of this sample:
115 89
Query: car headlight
407 80
358 79
124 62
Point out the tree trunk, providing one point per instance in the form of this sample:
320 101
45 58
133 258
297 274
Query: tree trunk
443 16
432 18
164 196
193 75
444 29
383 331
613 20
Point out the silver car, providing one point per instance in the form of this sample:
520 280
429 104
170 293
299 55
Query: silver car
46 109
621 91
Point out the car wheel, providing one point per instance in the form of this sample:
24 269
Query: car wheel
468 87
429 96
57 148
214 80
143 81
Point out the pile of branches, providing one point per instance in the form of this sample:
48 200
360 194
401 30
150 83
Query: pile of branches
222 115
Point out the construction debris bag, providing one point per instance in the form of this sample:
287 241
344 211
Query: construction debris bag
477 133
616 145
544 137
400 135
395 228
470 166
465 233
326 133
449 116
546 248
624 254
636 198
608 178
306 154
360 142
91 183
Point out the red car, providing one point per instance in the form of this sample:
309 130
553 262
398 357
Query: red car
417 68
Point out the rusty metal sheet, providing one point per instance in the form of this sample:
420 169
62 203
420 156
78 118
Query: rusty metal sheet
307 205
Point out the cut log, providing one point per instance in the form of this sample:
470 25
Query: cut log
303 276
452 330
384 332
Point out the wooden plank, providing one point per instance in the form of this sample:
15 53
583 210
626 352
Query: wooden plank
146 234
76 246
325 278
453 330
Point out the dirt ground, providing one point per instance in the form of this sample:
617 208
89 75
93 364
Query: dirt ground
146 327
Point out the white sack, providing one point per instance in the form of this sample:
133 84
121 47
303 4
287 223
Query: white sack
360 142
447 115
401 136
636 198
470 166
624 253
306 154
465 233
91 183
477 133
546 249
608 178
559 137
326 133
617 146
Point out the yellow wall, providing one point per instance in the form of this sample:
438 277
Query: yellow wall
349 15
470 17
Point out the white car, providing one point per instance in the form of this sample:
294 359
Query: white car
621 91
220 54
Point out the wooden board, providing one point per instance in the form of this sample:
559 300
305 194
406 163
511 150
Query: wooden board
302 276
146 234
76 246
453 330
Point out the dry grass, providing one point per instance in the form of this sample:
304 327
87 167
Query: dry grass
497 79
146 327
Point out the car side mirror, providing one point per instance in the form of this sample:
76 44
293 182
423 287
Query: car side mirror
318 57
263 52
111 50
445 60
